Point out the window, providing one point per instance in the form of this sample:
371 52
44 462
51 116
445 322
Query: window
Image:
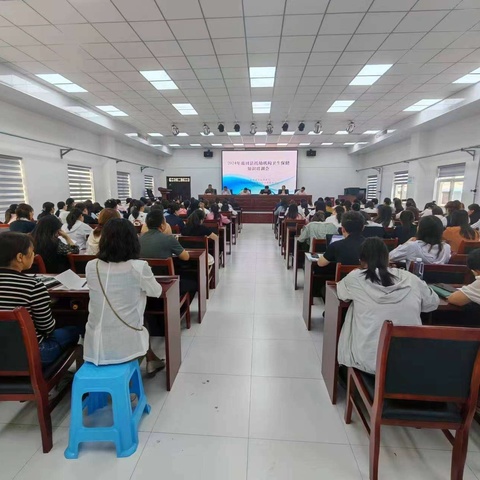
11 182
148 183
80 182
400 185
372 185
449 183
123 186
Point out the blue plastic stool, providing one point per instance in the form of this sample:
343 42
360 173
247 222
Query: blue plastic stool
118 381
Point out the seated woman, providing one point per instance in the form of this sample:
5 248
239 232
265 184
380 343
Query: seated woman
317 228
383 218
94 238
20 290
48 208
137 213
469 293
119 284
377 293
427 245
216 216
10 216
293 213
438 212
407 229
48 244
336 218
459 230
195 228
76 229
474 213
24 222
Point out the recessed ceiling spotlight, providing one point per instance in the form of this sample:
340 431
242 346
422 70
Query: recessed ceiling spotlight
269 128
206 129
350 126
175 130
253 128
285 127
236 127
317 127
301 127
221 127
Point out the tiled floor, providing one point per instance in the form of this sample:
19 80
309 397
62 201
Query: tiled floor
249 402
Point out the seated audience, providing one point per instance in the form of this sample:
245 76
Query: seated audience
76 229
48 208
111 203
215 215
387 201
474 213
317 228
411 205
280 210
119 284
69 203
329 207
397 205
469 293
94 238
196 228
48 244
370 207
85 208
346 251
357 208
450 207
428 209
336 217
292 213
173 219
10 213
384 216
459 230
183 208
377 293
347 205
407 229
137 213
24 222
427 245
438 212
60 206
20 290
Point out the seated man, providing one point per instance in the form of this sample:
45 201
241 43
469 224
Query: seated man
283 190
265 191
245 191
469 293
173 218
301 191
226 191
346 251
317 228
20 290
210 190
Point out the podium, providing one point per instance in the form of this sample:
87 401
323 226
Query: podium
165 192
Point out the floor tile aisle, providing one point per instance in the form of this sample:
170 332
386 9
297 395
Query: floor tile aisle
249 401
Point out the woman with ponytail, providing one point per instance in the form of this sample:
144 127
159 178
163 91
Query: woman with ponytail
378 293
336 218
137 214
94 239
76 229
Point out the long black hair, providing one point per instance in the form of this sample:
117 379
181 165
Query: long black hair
460 219
407 218
475 215
216 212
384 215
11 244
73 216
119 241
45 237
374 254
196 218
339 213
430 231
47 209
397 203
135 211
292 211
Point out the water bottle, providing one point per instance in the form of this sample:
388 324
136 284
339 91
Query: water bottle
418 268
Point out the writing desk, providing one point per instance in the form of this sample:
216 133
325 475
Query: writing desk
335 311
71 306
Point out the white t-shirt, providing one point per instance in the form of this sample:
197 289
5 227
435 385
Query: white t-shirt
142 218
79 233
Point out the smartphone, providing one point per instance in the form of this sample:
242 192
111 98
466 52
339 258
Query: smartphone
314 255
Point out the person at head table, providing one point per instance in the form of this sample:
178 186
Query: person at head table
245 191
301 191
226 191
265 191
283 190
210 190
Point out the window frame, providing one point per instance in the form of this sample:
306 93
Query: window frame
121 185
12 180
78 195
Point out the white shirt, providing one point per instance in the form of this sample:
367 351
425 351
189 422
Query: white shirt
142 218
299 192
127 285
333 219
63 215
79 233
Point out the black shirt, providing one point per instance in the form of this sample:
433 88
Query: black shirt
346 251
265 191
22 226
403 234
173 220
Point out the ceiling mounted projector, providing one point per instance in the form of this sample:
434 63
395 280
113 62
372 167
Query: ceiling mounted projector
175 130
221 127
236 127
206 129
301 127
253 128
285 127
317 127
350 126
269 128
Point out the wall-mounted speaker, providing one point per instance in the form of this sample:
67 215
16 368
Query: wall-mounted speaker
311 153
208 154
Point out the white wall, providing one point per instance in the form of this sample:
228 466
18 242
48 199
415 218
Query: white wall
324 175
423 173
45 173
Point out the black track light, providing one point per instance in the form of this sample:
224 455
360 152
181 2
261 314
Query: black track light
236 127
301 127
221 127
285 127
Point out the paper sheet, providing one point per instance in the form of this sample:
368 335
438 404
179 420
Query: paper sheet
72 281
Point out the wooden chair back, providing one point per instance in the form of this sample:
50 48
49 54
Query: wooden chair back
79 262
452 274
391 243
38 265
176 229
319 245
161 266
458 259
467 246
212 225
138 229
342 271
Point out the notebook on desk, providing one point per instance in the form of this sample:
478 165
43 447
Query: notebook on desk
49 282
443 290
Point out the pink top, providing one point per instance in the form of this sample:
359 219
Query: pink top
182 211
224 219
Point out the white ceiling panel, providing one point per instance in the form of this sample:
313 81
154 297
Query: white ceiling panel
203 61
117 32
420 21
366 42
269 26
197 47
174 63
347 6
152 31
305 7
232 60
117 65
459 20
185 9
436 40
452 55
331 43
253 8
221 8
418 56
401 41
297 44
301 24
224 46
435 4
262 59
102 50
340 23
294 59
138 10
226 27
263 44
467 40
17 37
83 33
189 29
133 50
21 14
56 11
40 52
165 49
380 22
354 58
97 10
392 5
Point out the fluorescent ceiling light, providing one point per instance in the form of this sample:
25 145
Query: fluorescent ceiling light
367 80
282 144
261 133
262 82
167 85
261 107
374 69
262 72
260 144
422 104
238 144
349 143
155 134
362 143
72 88
173 145
195 145
370 132
341 132
216 144
340 106
182 134
288 133
131 135
327 143
415 108
391 131
53 78
313 133
470 78
111 110
156 145
118 114
233 134
80 111
155 75
185 108
303 144
211 134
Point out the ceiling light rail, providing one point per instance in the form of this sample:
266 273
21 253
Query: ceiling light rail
64 150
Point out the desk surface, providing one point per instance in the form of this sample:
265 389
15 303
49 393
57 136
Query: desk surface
258 203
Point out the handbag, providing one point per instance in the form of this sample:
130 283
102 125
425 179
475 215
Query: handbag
110 305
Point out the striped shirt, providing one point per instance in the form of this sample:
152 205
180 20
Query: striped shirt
19 290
